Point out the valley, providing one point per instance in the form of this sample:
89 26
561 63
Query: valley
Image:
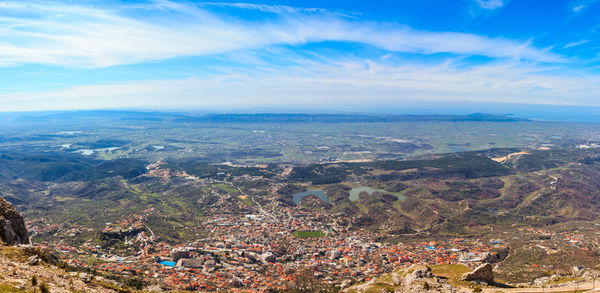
189 222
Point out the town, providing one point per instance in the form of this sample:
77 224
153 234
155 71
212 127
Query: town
274 247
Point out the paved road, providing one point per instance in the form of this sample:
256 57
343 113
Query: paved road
582 287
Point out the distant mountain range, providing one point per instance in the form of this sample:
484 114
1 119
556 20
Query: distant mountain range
338 118
245 118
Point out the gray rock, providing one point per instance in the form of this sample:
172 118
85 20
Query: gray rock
483 273
33 260
419 273
540 282
397 279
12 225
154 288
87 278
346 283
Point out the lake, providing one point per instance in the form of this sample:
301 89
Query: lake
318 192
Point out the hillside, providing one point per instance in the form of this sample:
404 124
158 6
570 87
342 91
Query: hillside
457 194
465 203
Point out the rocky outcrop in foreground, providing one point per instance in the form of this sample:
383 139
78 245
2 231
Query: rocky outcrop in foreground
24 269
482 273
12 225
413 279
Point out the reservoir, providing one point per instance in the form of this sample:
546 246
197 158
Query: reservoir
318 192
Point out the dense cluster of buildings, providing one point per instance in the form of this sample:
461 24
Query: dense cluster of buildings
284 247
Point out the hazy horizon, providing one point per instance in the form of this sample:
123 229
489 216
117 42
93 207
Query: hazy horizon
559 113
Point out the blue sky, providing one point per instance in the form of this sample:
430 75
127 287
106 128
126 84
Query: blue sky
176 55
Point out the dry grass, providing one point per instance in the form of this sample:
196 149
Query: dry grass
9 289
452 272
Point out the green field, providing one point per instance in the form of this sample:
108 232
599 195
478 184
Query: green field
308 234
156 136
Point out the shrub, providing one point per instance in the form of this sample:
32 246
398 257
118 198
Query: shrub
44 288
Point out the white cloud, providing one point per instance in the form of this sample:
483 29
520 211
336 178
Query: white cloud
88 36
578 8
490 4
351 82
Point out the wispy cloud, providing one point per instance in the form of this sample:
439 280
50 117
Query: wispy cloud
89 36
575 44
278 9
490 4
579 6
349 82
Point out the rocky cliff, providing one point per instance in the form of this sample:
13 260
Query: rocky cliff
12 225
